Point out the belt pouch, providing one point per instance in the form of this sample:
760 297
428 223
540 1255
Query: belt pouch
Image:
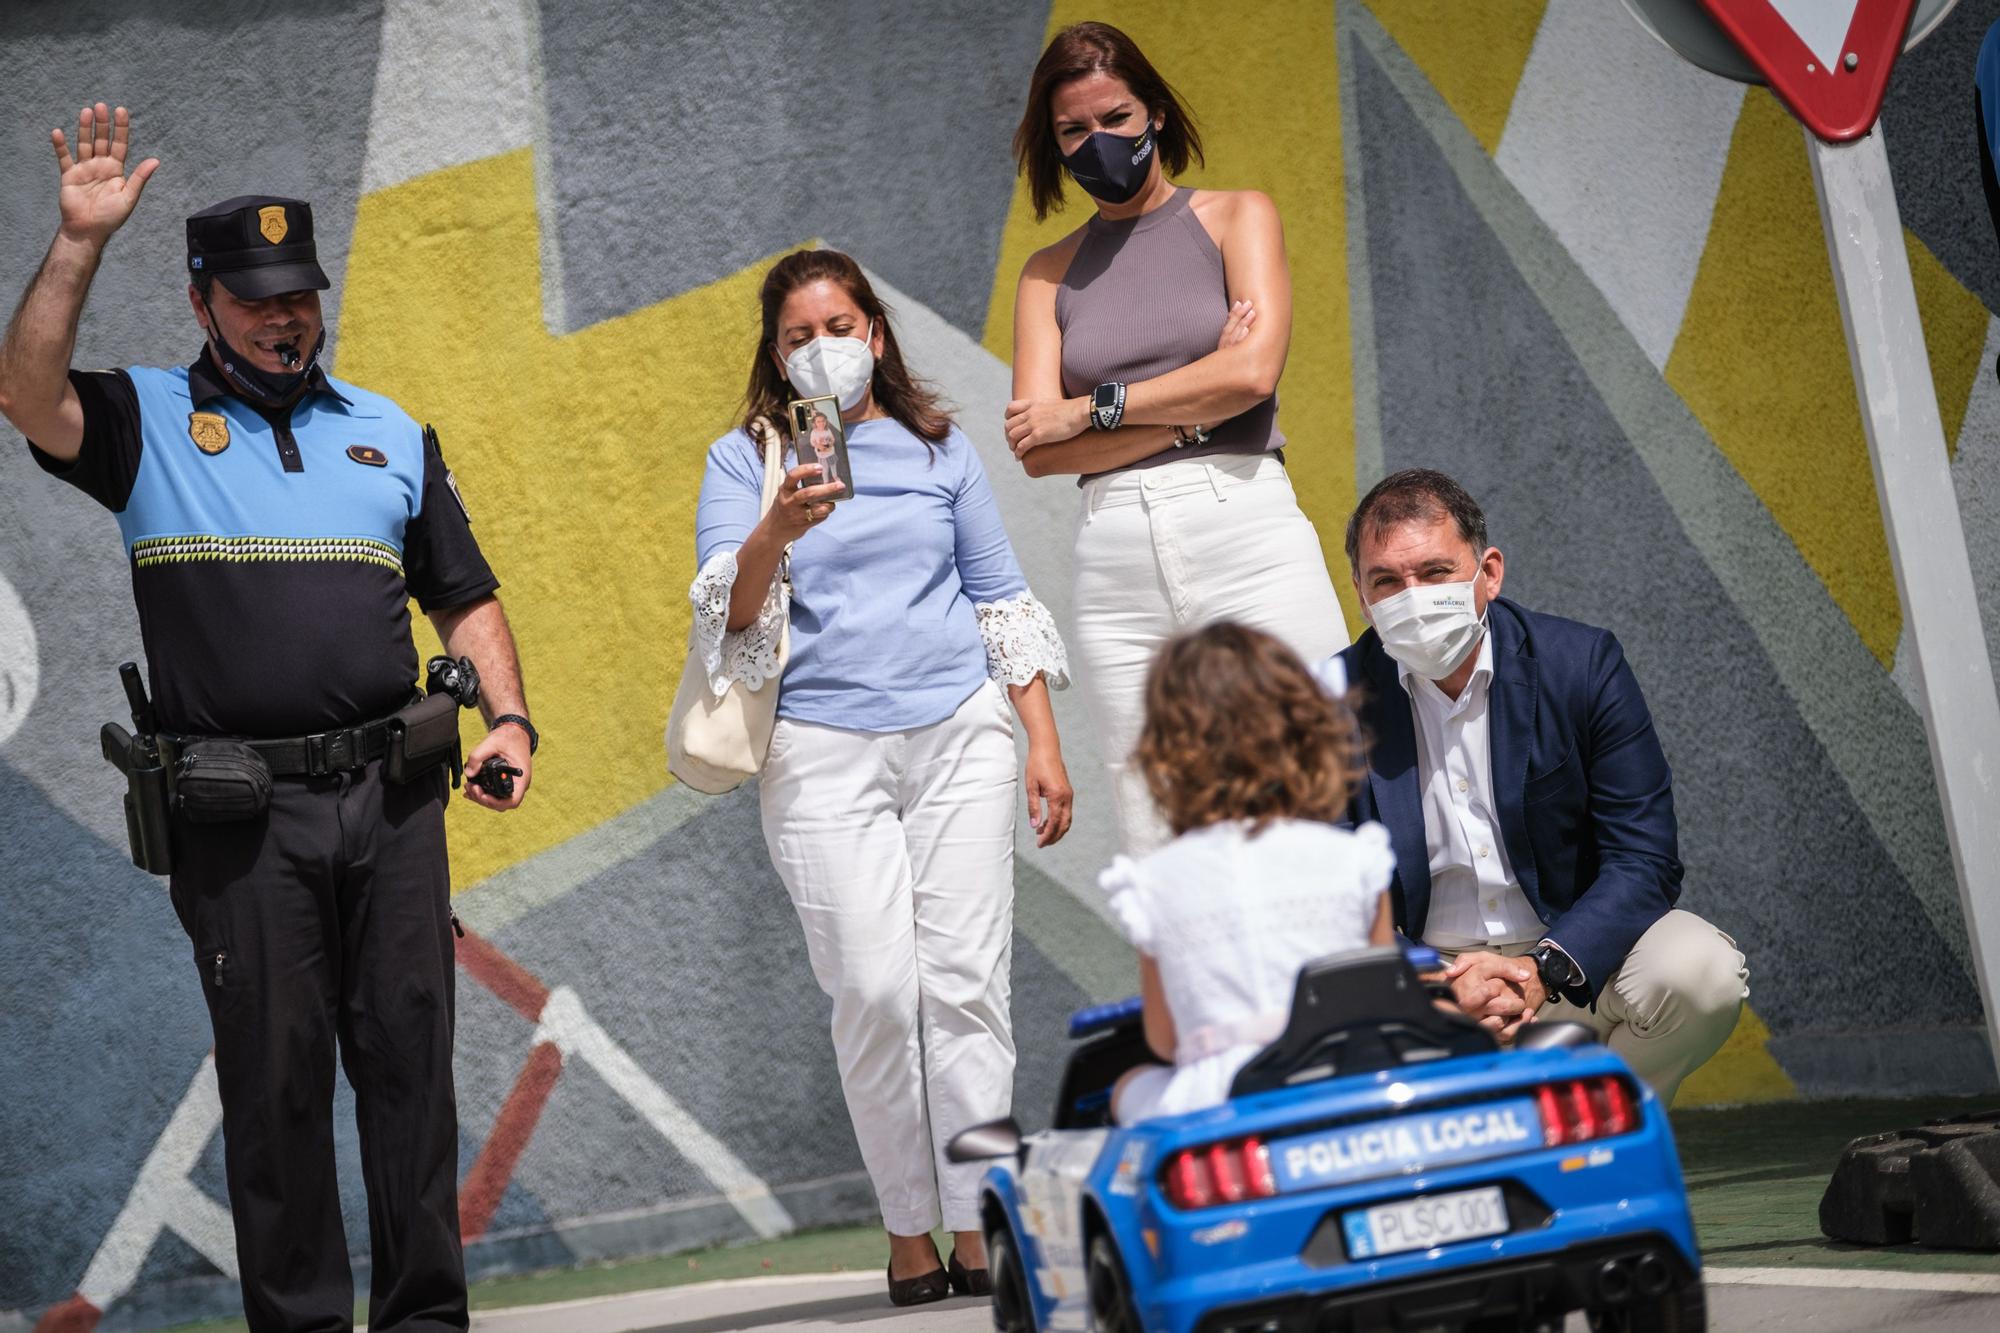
423 736
221 782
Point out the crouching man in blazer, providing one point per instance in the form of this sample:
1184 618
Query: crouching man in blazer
1529 804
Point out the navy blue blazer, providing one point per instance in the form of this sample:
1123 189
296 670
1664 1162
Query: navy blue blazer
1582 789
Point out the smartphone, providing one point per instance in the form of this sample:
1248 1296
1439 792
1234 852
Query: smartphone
818 437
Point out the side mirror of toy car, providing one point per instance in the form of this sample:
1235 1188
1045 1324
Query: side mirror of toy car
1554 1036
981 1143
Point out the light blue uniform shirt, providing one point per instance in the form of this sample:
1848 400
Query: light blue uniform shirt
884 636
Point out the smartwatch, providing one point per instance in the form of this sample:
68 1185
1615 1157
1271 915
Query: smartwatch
1558 969
534 737
1107 406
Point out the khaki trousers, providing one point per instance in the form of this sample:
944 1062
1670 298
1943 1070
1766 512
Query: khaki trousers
1669 1007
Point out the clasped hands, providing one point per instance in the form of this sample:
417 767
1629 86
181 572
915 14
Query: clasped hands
1501 994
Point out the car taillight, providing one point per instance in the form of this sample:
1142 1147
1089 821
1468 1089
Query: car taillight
1586 1109
1227 1172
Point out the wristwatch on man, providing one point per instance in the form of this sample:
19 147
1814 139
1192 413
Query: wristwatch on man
1107 406
1559 971
534 737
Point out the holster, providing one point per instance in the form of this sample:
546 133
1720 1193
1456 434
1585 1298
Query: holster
421 737
219 781
148 830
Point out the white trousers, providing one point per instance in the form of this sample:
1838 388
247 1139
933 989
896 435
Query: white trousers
1164 549
898 851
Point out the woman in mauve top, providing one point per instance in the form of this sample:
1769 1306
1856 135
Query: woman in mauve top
1147 349
889 791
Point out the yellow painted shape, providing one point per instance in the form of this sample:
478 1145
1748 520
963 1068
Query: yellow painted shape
1277 130
1742 1071
1954 335
1473 52
1762 362
580 458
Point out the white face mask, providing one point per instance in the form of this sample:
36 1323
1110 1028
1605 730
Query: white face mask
841 368
1430 628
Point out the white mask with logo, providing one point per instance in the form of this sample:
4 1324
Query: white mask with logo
841 368
1430 628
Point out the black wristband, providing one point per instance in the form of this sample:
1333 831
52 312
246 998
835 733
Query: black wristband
534 737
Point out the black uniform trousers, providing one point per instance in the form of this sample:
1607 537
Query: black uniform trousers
329 922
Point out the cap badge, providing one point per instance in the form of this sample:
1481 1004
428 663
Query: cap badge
209 431
362 453
271 223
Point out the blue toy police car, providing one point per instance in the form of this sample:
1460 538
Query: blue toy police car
1382 1165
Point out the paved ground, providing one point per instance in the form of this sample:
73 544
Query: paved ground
1767 1300
1754 1175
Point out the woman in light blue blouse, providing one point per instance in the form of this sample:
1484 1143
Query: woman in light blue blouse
889 791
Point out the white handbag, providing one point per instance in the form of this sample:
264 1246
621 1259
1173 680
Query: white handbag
715 741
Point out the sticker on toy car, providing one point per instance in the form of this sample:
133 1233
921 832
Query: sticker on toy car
1405 1143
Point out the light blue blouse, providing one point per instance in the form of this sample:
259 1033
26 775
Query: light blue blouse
884 632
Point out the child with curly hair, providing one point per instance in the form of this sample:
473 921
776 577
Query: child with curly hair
1250 761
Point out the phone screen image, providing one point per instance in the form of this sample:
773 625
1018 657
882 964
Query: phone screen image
818 437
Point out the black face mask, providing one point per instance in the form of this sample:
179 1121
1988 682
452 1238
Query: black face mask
1113 167
257 387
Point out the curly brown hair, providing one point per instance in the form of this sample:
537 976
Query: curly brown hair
1237 728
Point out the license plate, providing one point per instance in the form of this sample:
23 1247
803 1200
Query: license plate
1419 1224
1410 1142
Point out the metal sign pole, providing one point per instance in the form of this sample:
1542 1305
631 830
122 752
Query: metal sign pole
1892 375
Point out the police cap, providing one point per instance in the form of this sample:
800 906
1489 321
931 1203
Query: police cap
256 245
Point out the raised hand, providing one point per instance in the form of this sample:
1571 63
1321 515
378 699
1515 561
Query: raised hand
96 196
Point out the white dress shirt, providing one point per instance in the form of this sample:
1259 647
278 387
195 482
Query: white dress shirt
1475 899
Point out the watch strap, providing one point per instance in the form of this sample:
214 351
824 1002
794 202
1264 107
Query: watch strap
534 737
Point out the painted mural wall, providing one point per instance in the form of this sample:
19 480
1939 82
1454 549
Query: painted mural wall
1528 245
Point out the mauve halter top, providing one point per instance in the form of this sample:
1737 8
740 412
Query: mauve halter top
1145 296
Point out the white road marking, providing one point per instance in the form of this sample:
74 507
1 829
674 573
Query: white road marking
1977 1284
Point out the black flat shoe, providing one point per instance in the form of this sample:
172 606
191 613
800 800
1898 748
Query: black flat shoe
919 1290
968 1281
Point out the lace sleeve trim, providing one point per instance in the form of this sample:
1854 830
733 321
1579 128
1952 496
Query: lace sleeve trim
748 656
1022 641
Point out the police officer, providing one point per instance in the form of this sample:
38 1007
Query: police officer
278 521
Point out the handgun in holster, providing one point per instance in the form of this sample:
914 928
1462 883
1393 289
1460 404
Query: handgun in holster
148 789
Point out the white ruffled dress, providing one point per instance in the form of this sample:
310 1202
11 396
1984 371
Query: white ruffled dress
1230 919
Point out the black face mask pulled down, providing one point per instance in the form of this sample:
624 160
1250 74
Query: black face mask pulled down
1113 167
260 388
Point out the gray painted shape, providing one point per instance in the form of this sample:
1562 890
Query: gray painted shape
1852 708
681 148
1515 417
1368 465
233 98
1928 125
639 944
1975 476
102 1026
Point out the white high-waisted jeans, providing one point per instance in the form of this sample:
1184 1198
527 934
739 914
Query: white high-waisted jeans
898 851
1160 550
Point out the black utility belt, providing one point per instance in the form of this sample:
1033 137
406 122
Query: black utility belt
319 755
225 779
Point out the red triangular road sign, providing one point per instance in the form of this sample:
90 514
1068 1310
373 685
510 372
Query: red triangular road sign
1832 78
